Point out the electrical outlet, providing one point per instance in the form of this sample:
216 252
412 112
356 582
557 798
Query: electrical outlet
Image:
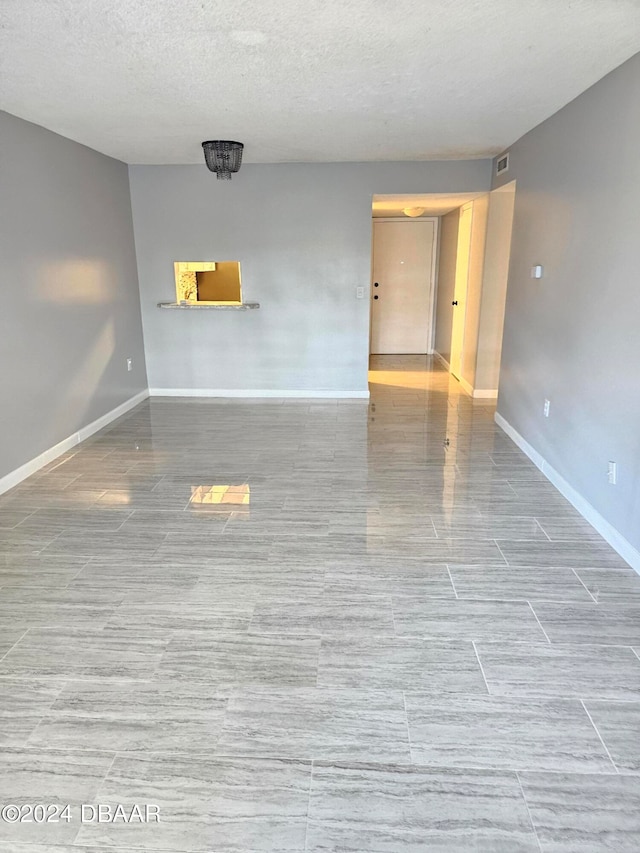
129 364
612 474
547 406
359 292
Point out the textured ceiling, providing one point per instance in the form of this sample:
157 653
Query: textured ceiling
147 80
434 204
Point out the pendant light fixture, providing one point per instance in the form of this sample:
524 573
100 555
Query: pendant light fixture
223 157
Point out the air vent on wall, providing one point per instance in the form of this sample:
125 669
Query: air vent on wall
502 164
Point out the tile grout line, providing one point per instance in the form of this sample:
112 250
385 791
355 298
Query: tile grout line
75 577
62 462
539 622
164 477
306 828
226 524
45 716
584 585
120 526
537 521
406 716
393 617
320 641
495 541
103 780
22 521
71 482
524 797
455 591
600 736
11 648
435 529
486 683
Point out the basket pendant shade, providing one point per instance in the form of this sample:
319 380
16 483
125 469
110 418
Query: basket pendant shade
223 157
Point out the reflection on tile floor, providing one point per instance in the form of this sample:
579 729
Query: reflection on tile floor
316 625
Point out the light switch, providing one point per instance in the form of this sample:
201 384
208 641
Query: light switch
536 271
359 292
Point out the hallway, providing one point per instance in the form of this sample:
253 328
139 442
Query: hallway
316 626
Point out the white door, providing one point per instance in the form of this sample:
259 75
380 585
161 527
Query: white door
402 286
460 289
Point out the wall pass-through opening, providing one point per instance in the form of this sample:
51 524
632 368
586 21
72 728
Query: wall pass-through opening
209 282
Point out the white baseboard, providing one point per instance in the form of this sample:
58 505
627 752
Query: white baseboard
466 386
442 361
14 477
105 420
476 393
485 393
588 512
259 393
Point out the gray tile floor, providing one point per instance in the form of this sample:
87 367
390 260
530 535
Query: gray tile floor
315 626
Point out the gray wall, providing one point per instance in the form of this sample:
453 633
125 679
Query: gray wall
303 236
447 261
573 336
70 306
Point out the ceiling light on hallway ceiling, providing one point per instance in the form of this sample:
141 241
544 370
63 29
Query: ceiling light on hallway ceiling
223 157
413 211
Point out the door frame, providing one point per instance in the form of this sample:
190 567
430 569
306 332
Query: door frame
433 272
467 206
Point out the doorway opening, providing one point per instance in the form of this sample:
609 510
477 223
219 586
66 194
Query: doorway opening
439 280
403 287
